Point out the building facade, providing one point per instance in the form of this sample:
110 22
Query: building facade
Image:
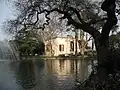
62 46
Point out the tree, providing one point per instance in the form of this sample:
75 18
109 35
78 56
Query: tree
82 14
115 48
28 43
54 29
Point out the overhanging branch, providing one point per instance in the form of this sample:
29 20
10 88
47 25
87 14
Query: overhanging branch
77 13
96 21
71 21
78 25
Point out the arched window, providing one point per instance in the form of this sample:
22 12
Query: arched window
71 46
61 47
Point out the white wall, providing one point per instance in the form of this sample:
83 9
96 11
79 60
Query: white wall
66 42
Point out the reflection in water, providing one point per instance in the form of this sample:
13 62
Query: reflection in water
82 69
60 68
34 75
65 68
26 75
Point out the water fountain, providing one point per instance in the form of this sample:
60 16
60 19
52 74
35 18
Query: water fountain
8 50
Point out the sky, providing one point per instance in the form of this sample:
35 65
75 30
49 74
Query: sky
6 12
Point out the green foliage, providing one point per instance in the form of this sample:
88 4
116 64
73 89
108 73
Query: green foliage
115 41
115 48
28 43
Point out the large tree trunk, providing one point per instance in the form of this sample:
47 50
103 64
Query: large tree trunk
105 62
100 79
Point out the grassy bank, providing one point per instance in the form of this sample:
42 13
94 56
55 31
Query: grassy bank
58 57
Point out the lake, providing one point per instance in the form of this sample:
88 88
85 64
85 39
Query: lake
37 74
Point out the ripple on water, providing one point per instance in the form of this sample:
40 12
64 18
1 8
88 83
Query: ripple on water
32 75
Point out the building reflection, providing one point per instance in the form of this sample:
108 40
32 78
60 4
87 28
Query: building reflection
53 75
65 68
82 66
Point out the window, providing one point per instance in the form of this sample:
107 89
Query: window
61 47
47 47
71 46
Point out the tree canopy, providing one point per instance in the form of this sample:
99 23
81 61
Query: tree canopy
36 13
29 43
82 14
90 16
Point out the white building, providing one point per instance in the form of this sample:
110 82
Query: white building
61 46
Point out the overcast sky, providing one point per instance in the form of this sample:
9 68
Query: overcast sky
6 12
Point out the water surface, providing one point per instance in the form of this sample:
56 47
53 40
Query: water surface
42 74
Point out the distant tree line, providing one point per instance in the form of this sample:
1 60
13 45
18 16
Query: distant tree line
28 43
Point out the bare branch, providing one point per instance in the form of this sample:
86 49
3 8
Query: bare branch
77 13
71 21
90 38
96 21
